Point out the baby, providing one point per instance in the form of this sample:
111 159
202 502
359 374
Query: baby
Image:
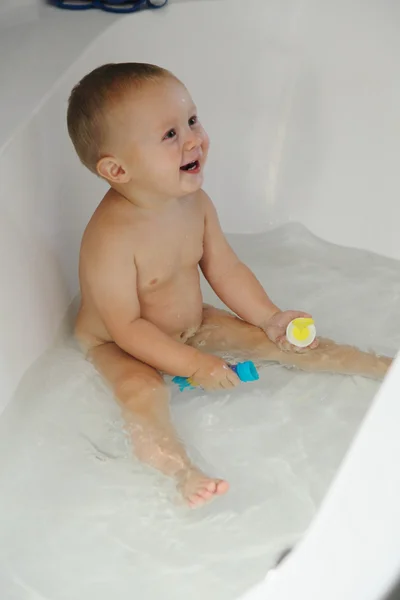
142 314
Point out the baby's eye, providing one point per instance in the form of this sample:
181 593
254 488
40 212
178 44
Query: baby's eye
193 120
170 134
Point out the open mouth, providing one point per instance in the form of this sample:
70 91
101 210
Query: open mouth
192 167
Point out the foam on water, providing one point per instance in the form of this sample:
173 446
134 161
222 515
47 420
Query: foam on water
81 518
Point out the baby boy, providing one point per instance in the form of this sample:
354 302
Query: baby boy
142 314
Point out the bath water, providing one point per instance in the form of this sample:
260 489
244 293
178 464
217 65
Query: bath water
80 518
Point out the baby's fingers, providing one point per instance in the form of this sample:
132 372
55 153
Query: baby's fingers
232 379
284 345
225 384
290 315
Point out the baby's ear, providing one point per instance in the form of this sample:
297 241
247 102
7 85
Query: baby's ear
111 169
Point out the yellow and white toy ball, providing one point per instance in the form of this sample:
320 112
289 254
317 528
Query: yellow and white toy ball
301 332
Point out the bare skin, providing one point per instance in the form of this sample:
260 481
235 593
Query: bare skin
142 311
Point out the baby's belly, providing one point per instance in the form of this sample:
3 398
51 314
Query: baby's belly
179 313
176 308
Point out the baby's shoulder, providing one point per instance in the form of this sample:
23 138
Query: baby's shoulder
110 227
201 201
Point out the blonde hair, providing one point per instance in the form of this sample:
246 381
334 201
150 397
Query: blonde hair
93 95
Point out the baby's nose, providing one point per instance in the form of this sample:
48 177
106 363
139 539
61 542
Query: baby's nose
193 140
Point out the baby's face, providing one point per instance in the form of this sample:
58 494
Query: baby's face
160 140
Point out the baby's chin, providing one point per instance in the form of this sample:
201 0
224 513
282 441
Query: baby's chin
192 184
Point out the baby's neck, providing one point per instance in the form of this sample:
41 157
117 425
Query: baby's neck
144 199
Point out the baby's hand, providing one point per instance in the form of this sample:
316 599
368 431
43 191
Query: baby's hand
275 329
213 373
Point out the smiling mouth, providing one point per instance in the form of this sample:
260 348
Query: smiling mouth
192 167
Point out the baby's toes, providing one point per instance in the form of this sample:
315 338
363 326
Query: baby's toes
198 489
207 492
196 500
221 487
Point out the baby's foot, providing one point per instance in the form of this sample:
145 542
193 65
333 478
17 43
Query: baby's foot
380 367
197 489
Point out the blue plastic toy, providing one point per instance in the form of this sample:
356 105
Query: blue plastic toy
114 6
246 371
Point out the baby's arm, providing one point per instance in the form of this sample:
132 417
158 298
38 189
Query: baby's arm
232 281
238 287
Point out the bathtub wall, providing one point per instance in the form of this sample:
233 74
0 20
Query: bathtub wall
13 12
352 548
299 132
8 5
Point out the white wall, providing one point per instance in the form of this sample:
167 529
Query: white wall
38 44
16 11
46 199
338 169
7 5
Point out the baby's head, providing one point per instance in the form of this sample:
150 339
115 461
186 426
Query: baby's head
136 126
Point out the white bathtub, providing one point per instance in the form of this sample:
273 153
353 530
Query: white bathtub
300 98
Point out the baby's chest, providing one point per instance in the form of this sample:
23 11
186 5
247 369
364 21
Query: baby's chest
170 244
167 255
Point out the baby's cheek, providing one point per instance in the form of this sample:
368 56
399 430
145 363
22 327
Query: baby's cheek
205 143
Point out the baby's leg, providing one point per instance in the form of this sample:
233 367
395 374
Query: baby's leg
144 399
223 332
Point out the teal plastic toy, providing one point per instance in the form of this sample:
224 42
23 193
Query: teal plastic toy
246 371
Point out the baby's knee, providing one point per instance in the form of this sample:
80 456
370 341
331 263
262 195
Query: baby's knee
139 387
